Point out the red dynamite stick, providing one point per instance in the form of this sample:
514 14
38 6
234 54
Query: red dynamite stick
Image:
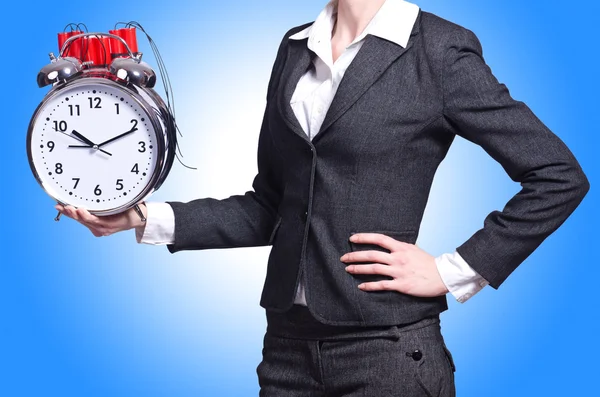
129 35
74 47
117 48
97 51
106 50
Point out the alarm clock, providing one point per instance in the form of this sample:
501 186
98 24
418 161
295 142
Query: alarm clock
101 138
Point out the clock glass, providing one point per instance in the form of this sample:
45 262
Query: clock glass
93 146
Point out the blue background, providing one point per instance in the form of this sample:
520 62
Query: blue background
82 316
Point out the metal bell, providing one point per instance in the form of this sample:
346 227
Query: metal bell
134 71
59 70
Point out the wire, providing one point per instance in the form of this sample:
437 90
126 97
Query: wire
75 27
164 76
70 25
104 49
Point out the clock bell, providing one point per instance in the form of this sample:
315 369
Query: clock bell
110 52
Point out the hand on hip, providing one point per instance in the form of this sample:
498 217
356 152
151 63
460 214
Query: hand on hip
412 270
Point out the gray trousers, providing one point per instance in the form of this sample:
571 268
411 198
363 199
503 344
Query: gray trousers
302 357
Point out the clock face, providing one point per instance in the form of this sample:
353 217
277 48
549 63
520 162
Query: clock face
93 146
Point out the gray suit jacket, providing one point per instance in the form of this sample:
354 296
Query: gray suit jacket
370 168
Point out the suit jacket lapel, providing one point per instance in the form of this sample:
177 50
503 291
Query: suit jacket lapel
298 61
373 58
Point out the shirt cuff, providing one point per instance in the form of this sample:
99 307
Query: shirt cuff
160 225
460 278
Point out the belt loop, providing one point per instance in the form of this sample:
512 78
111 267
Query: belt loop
396 333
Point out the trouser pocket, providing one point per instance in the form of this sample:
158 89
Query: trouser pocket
450 358
431 361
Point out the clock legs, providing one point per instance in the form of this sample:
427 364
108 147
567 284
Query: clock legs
139 212
57 218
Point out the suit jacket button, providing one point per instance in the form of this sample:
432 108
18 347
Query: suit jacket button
416 355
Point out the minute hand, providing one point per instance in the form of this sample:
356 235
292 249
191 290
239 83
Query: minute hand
118 137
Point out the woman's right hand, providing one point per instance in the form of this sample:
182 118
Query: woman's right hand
105 225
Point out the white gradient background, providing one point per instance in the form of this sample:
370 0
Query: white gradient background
82 316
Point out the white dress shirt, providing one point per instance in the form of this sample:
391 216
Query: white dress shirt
311 100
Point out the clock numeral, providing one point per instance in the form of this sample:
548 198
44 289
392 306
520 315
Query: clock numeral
60 125
76 108
134 122
119 184
50 145
135 169
76 182
58 168
95 102
142 149
97 190
117 106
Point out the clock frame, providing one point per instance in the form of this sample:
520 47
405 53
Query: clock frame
157 118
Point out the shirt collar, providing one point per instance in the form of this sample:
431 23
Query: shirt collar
394 22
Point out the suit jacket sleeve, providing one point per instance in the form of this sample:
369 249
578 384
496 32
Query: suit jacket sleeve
241 220
480 109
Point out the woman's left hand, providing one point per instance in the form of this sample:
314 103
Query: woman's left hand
413 271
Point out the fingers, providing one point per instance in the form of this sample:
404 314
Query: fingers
68 210
410 270
367 256
373 268
85 216
398 282
380 239
98 226
383 285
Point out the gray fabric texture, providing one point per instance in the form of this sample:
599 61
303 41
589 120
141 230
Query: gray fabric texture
303 358
370 169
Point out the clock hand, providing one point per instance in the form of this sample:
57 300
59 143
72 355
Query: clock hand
85 140
118 137
90 147
71 136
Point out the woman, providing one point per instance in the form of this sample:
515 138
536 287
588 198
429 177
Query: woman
362 106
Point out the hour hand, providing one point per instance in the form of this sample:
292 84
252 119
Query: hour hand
90 144
84 139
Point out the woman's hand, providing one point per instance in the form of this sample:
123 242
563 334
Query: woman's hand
105 225
413 271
